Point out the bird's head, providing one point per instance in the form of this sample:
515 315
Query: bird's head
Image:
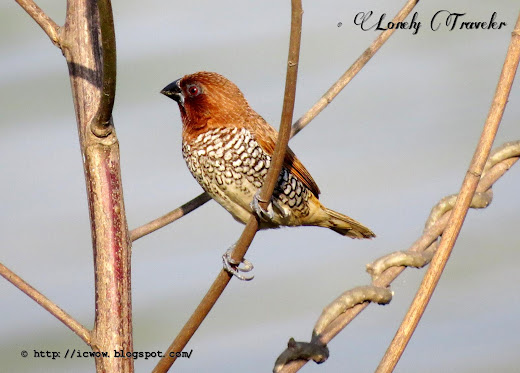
207 100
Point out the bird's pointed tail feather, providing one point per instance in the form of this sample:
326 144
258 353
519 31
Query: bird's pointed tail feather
347 226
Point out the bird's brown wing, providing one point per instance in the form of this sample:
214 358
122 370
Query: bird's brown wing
266 137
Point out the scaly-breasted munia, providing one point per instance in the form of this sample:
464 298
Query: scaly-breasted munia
228 148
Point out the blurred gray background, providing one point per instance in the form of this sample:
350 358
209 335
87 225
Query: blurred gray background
394 142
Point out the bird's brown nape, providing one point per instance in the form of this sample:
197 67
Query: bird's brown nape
220 103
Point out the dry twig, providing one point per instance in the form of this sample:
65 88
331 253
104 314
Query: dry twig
467 190
386 269
46 23
46 303
266 191
170 217
337 87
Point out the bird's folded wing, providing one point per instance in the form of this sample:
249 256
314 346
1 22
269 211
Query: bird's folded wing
267 140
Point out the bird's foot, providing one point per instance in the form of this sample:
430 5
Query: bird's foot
264 215
233 266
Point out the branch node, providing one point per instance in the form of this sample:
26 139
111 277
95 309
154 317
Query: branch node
319 353
475 173
101 130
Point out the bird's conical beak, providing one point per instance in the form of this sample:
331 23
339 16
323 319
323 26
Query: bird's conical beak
173 91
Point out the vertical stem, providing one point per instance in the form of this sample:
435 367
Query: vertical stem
84 51
284 134
248 234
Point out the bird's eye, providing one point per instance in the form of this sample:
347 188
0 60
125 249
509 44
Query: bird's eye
193 90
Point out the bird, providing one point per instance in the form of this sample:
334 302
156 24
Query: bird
228 149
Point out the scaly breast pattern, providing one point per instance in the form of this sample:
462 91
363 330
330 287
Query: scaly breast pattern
231 166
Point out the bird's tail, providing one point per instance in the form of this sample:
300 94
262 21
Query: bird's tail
346 226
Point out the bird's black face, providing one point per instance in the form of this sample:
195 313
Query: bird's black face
174 91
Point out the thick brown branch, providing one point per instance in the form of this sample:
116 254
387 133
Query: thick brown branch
91 63
251 228
86 38
48 25
467 190
46 303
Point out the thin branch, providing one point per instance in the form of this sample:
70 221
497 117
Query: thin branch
288 106
271 178
509 154
170 217
284 134
468 188
336 88
46 303
47 24
306 118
